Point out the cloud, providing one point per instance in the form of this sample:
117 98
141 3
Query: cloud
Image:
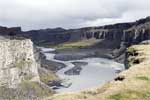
36 14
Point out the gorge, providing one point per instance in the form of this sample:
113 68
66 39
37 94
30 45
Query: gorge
76 60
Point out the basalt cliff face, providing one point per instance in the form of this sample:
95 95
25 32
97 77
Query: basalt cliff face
129 33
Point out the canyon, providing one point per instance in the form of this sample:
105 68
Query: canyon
26 73
109 41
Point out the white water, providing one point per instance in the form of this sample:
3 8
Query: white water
97 72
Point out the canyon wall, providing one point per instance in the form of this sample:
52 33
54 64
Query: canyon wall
133 32
20 71
130 33
17 62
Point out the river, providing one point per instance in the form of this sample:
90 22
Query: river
96 72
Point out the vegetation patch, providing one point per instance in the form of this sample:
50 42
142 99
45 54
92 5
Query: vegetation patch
145 78
146 95
48 77
130 49
21 63
72 45
78 44
128 95
118 96
133 57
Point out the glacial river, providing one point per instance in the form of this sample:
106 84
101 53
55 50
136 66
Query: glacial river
96 72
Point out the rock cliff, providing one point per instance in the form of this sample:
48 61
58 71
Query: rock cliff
17 62
130 33
10 31
19 71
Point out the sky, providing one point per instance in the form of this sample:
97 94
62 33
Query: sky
41 14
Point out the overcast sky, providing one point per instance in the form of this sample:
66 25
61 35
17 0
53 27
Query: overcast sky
38 14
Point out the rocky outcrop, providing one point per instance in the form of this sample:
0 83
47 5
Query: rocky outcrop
10 31
77 69
21 75
47 36
17 62
50 65
137 33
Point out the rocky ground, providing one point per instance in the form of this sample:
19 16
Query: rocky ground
132 84
77 69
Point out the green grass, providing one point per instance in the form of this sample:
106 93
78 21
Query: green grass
145 78
131 49
146 95
130 95
116 97
72 45
46 77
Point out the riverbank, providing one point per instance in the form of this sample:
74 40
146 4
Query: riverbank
87 48
132 84
79 53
